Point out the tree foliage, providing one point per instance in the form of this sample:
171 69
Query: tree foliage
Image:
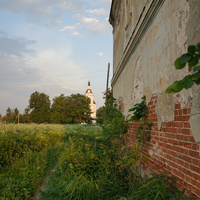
192 58
39 105
100 115
72 109
12 116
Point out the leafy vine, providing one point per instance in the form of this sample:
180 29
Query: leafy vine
192 58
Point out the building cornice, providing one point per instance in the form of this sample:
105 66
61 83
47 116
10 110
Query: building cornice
146 18
115 5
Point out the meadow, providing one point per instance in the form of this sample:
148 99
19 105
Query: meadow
89 165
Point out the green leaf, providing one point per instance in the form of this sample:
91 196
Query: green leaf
169 89
187 83
197 68
197 81
177 86
194 61
178 65
192 49
185 58
196 77
198 45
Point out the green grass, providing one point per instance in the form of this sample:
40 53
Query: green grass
89 166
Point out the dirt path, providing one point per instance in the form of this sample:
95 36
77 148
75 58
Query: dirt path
44 183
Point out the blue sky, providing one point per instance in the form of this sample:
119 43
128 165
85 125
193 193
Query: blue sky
53 47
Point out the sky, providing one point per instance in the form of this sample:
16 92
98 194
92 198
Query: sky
53 47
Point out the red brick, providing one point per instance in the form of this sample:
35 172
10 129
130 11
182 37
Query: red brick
194 154
196 183
177 124
170 135
175 154
152 115
181 150
185 111
188 110
172 130
174 142
180 186
168 124
179 137
186 145
195 168
177 118
187 172
195 146
186 124
186 131
178 106
187 165
164 129
185 118
189 138
176 112
153 107
180 162
196 161
197 193
196 176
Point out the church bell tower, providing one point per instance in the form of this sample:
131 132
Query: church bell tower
90 95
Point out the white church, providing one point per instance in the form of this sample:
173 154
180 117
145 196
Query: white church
90 95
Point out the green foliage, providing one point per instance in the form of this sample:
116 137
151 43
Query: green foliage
114 125
101 113
88 167
16 141
139 110
39 104
72 109
22 179
143 132
192 58
159 187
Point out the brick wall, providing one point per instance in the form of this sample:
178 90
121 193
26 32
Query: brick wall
172 148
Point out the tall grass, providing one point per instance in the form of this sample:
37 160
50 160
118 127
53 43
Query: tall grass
27 153
91 169
18 140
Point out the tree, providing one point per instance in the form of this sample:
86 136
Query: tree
58 110
39 104
72 109
78 106
101 113
26 116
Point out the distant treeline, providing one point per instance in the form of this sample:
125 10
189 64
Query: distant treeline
73 109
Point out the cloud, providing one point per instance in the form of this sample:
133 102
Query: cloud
75 33
43 11
99 28
88 20
100 11
99 54
56 68
68 28
49 71
15 46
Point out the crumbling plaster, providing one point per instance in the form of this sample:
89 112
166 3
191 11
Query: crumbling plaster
150 67
193 35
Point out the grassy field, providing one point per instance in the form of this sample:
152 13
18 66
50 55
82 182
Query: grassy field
27 153
88 165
